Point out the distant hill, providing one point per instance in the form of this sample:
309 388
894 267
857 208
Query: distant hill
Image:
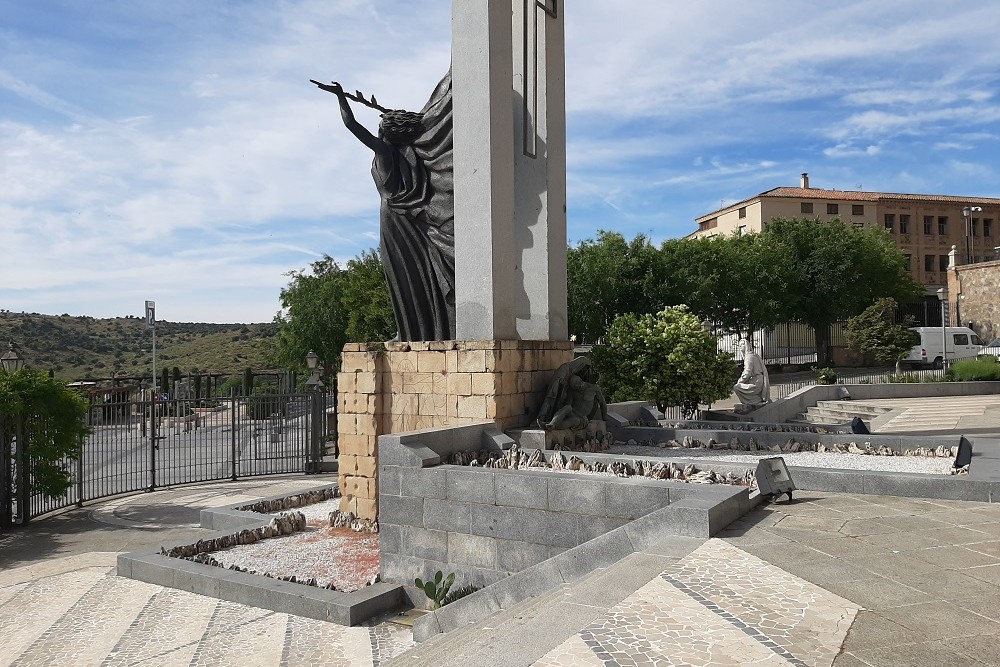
87 348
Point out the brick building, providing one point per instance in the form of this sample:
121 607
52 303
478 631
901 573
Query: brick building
924 227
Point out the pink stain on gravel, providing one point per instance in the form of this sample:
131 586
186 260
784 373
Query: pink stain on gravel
340 556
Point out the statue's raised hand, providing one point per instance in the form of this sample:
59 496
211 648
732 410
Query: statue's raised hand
332 87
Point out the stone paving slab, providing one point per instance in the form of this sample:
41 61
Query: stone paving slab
77 615
717 606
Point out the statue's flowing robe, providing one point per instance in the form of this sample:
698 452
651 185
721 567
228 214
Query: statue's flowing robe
417 239
754 386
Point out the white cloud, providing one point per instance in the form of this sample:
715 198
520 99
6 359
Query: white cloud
177 148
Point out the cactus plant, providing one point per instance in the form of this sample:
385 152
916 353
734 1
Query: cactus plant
436 590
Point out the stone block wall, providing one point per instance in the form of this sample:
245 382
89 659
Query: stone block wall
487 524
973 297
390 388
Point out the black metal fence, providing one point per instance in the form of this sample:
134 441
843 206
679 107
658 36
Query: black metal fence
136 446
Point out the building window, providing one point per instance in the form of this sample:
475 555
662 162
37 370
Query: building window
907 263
806 207
832 209
943 225
904 223
858 209
929 225
928 262
987 226
890 221
942 262
711 223
975 227
743 211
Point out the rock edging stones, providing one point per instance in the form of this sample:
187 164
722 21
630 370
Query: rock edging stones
793 445
514 459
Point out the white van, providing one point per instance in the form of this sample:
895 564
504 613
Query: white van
963 343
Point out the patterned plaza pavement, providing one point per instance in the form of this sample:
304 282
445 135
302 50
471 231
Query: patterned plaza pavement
830 579
717 606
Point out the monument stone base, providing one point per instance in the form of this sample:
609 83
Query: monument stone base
386 388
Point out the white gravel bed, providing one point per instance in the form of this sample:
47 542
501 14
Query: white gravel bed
340 556
909 464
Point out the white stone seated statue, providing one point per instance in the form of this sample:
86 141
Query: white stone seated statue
753 388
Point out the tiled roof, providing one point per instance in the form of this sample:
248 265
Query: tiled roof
851 195
855 195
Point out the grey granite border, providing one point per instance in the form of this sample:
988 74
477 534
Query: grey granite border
703 513
255 590
422 499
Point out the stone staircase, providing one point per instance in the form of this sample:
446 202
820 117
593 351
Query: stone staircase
840 412
525 632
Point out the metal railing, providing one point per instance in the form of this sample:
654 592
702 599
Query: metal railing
188 441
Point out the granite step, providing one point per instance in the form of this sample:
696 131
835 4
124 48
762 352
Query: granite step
525 632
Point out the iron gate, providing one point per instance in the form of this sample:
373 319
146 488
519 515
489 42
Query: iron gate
137 446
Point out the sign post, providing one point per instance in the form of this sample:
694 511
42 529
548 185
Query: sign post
151 325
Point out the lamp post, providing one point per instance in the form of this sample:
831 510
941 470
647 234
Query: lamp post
942 295
967 214
318 404
314 382
11 361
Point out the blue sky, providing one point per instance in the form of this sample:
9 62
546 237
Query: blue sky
175 150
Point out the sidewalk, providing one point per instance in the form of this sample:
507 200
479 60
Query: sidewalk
828 579
62 604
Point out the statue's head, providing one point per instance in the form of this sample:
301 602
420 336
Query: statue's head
745 346
401 127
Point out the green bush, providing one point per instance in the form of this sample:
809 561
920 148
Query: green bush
902 377
984 368
51 420
826 376
667 358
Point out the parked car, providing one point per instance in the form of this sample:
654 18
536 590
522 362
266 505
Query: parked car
992 348
963 343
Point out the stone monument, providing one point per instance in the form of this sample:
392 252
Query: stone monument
507 108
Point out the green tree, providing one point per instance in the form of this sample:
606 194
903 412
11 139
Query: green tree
667 358
736 282
51 419
875 332
836 271
328 306
609 277
365 297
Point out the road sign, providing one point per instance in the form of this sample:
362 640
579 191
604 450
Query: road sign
150 314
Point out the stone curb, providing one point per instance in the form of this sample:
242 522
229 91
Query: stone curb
254 590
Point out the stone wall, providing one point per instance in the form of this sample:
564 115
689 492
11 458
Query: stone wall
398 387
486 524
974 296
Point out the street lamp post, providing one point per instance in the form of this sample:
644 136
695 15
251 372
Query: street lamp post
967 214
11 361
318 403
942 294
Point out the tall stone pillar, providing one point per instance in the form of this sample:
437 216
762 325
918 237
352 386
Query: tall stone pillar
508 74
484 170
540 168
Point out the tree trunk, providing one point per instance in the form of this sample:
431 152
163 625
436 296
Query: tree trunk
822 345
